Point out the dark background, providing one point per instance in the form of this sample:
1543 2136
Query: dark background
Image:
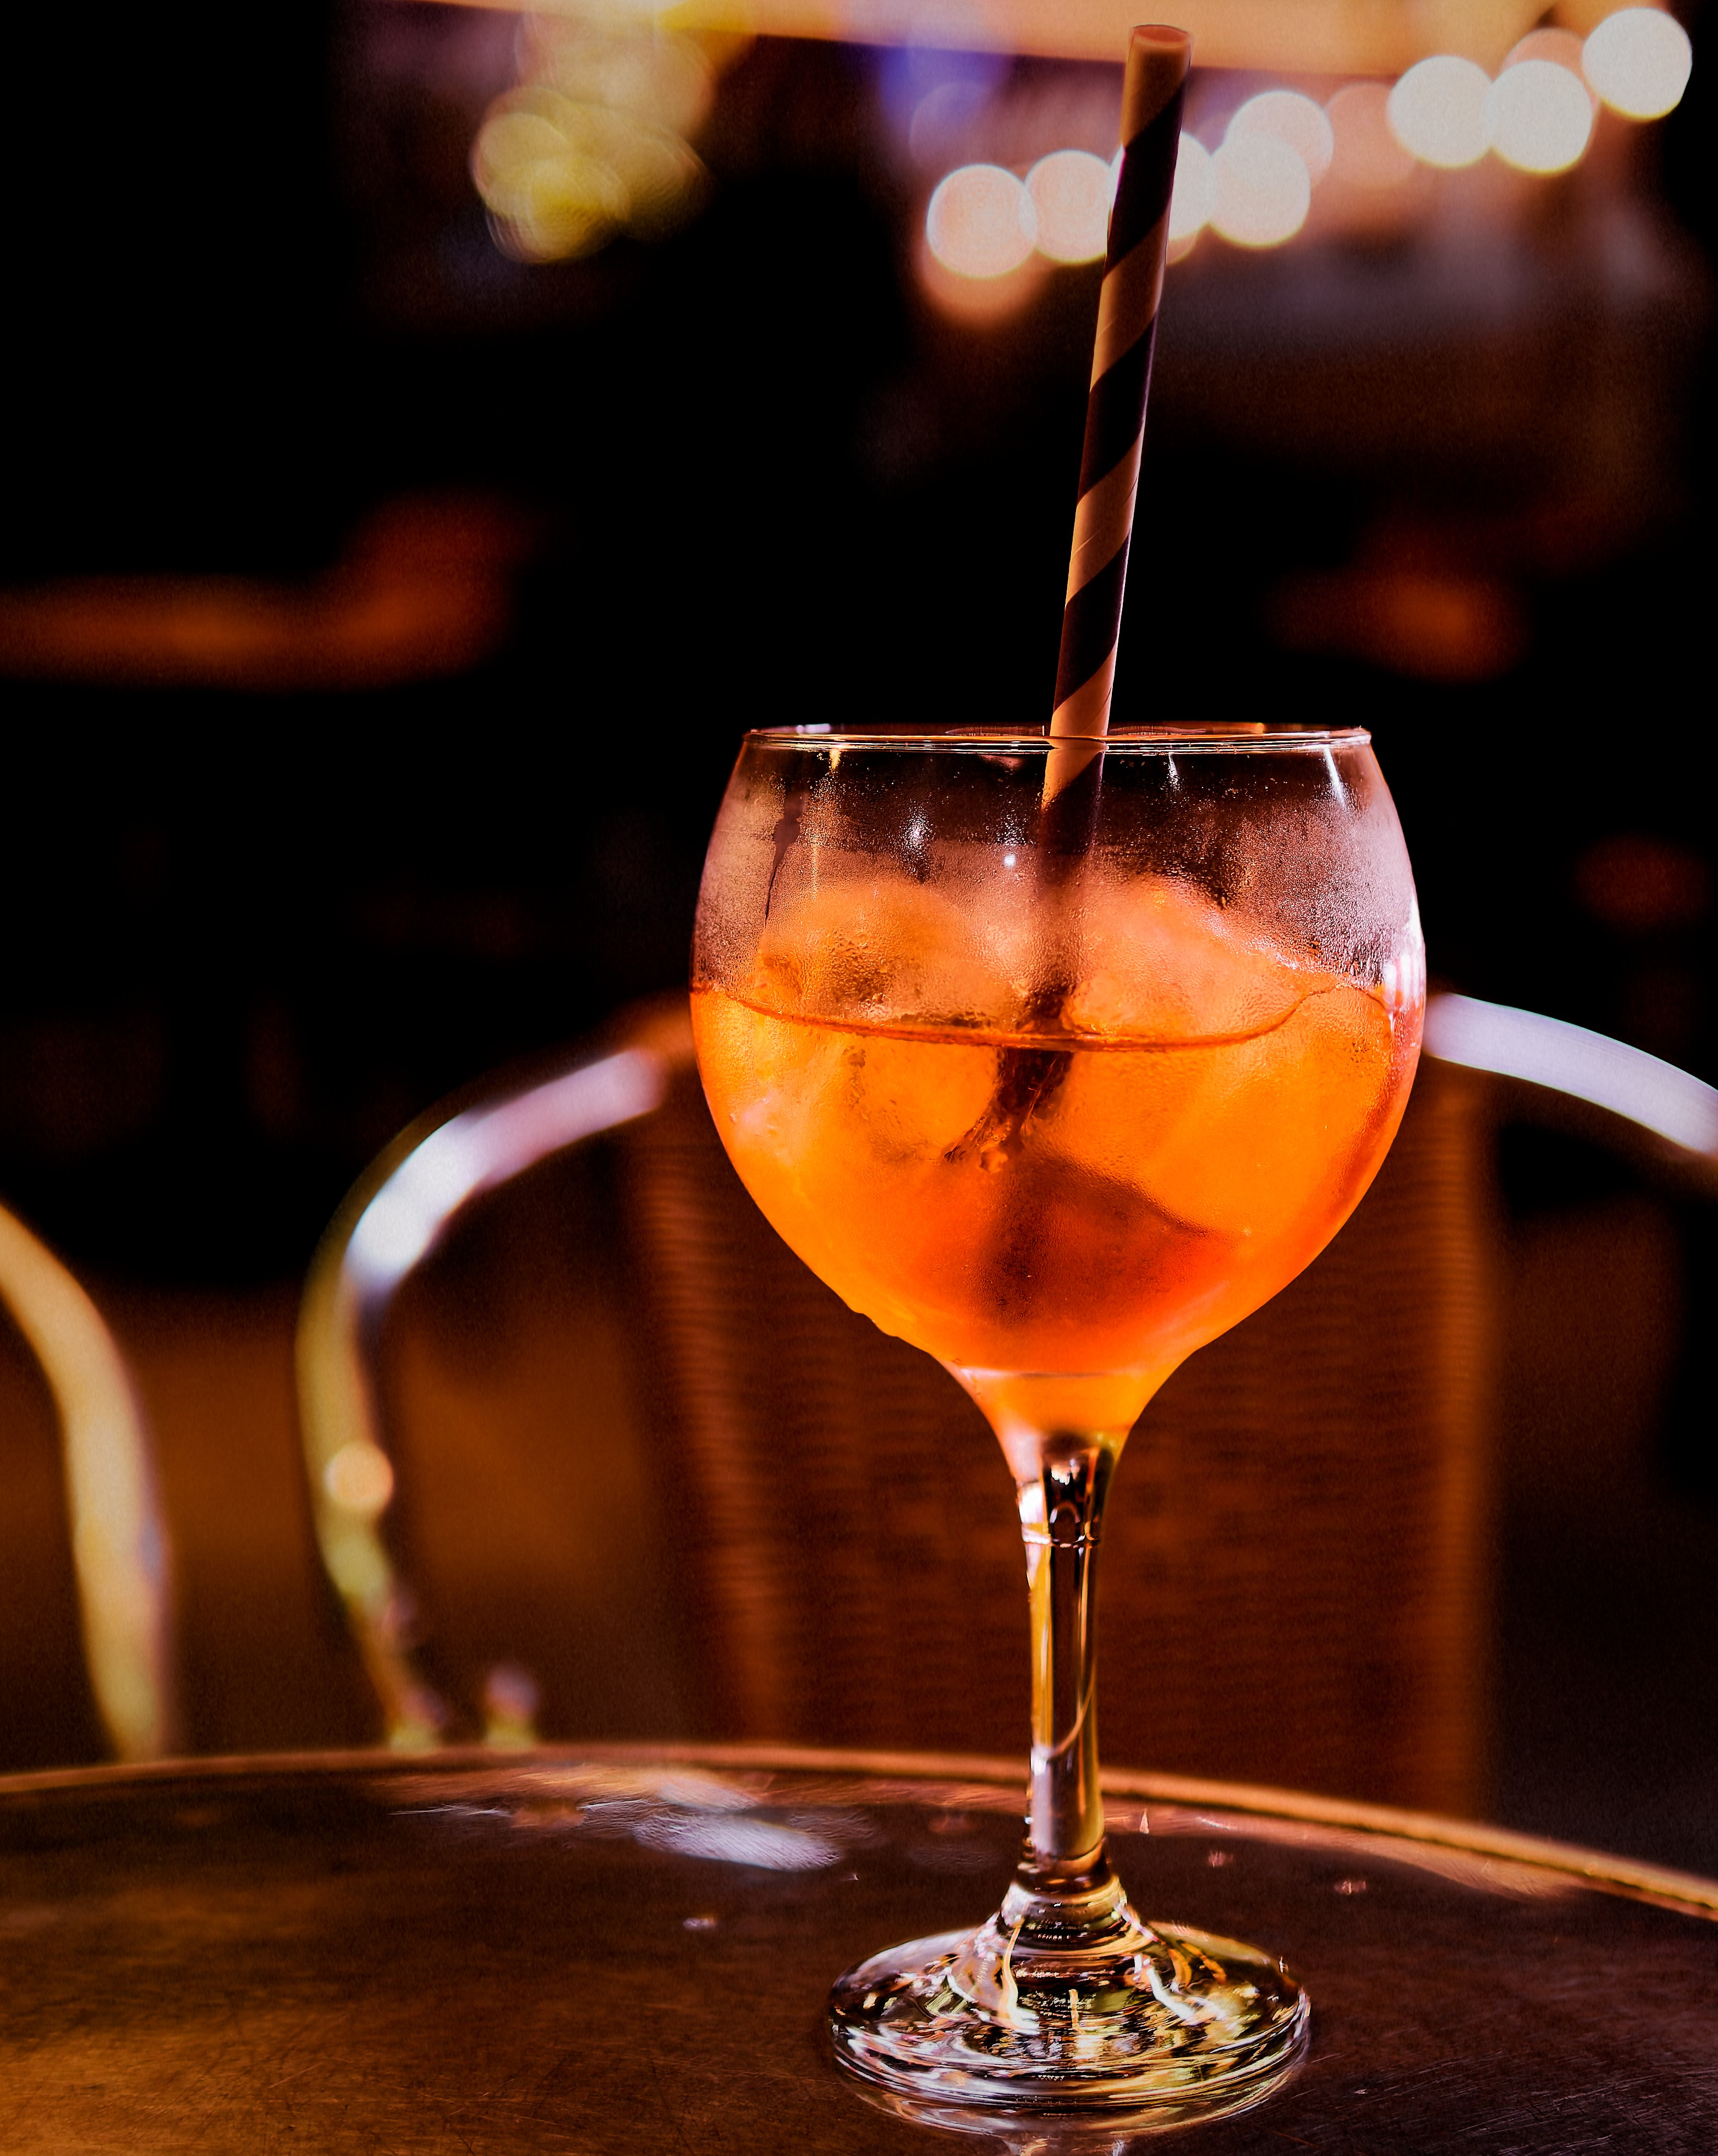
254 934
251 935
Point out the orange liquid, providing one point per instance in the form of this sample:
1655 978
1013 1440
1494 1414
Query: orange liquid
1214 1113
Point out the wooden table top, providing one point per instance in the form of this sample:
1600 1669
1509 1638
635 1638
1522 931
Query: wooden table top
611 1951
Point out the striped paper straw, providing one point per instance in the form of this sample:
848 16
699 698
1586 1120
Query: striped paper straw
1157 60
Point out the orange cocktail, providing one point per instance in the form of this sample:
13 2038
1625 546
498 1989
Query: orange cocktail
1203 1111
1057 1062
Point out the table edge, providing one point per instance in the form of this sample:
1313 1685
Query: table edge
1689 1891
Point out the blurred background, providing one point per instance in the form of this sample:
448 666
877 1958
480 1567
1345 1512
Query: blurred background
438 430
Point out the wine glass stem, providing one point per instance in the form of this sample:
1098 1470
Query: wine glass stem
1061 1513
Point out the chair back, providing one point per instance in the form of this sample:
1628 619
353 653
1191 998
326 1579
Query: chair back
604 1456
1295 1572
89 1666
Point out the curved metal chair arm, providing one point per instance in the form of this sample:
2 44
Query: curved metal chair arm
404 1205
393 1217
120 1551
1560 1063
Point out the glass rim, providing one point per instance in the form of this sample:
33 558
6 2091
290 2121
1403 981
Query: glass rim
1239 736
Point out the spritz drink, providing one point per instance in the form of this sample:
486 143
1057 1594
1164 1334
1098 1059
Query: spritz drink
1059 1118
1212 1108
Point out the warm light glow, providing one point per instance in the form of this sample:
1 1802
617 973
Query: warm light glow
560 177
1434 623
976 303
1291 119
1195 195
1264 191
511 1697
1366 152
981 222
1278 39
1562 46
1541 116
1638 61
1439 111
1071 192
419 590
360 1478
620 64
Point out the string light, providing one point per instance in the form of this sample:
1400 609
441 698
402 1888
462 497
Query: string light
985 224
981 222
1071 192
1293 119
1195 195
1638 60
1539 117
1264 191
1367 153
1440 110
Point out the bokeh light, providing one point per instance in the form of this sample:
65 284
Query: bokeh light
1540 116
1562 46
592 141
1195 195
360 1479
1439 111
1071 192
981 222
560 177
1291 119
1366 152
623 66
1262 191
1638 61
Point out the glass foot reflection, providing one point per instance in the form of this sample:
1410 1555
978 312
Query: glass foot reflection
1160 2021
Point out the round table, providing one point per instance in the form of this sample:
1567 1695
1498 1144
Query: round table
617 1950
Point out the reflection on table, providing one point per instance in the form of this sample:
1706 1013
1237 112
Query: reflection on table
628 1951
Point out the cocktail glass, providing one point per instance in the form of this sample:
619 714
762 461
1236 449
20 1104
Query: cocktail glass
1059 1110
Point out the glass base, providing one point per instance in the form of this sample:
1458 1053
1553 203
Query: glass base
1167 2024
